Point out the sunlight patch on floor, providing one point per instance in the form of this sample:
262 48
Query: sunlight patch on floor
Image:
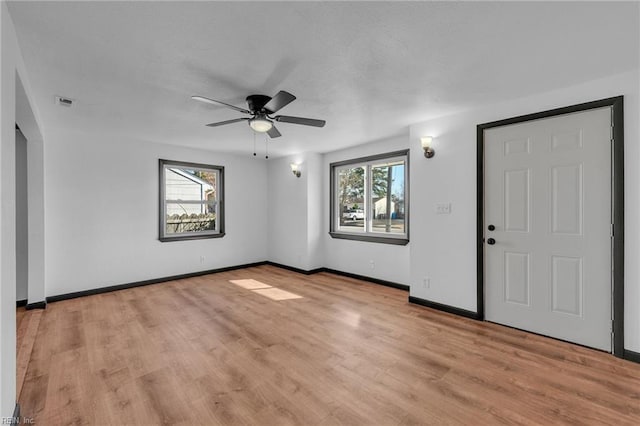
250 284
277 294
265 290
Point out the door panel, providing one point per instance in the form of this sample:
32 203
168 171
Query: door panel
516 146
566 283
516 196
566 196
548 193
516 277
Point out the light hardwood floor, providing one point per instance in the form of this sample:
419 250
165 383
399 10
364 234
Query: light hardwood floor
27 324
206 351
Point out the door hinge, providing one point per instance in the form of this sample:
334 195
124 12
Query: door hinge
613 335
611 230
613 339
612 121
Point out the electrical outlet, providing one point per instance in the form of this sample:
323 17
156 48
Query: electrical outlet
201 259
426 282
372 264
443 208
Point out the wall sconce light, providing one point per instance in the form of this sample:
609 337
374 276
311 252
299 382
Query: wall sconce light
295 168
426 145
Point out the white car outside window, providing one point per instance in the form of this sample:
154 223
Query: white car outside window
353 214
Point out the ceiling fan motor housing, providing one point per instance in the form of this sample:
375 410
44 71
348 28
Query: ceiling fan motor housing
257 102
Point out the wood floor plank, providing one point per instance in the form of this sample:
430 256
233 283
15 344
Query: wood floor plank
27 330
206 351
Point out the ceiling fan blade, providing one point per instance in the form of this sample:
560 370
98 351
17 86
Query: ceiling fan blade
222 123
300 120
280 100
214 102
273 132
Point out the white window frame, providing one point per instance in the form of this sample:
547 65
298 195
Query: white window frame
336 231
219 201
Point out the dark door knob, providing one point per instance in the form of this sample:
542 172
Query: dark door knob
492 228
491 241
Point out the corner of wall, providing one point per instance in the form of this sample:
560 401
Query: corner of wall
295 211
315 186
287 213
8 53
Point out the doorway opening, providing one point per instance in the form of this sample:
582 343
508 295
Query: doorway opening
22 220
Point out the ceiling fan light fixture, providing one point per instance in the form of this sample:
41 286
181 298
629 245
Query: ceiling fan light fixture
260 124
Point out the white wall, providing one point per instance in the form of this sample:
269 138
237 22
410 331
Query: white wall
294 212
312 168
9 58
287 214
22 219
102 213
36 185
443 247
390 262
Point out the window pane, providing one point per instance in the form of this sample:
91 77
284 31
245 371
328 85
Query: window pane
187 218
190 185
351 199
387 198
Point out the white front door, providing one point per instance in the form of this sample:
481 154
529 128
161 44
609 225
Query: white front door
548 195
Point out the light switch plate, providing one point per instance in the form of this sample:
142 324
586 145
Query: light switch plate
443 208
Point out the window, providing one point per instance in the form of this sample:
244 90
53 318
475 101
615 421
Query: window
191 201
369 199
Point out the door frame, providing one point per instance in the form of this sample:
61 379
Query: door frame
617 204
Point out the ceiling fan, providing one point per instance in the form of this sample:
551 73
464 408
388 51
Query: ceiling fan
261 109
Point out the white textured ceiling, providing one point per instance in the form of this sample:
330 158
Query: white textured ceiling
369 69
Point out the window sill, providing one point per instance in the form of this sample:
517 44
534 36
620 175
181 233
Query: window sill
191 237
370 238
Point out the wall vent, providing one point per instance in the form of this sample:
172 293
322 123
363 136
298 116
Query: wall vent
62 101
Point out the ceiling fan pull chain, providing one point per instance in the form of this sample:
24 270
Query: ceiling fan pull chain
254 143
266 146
